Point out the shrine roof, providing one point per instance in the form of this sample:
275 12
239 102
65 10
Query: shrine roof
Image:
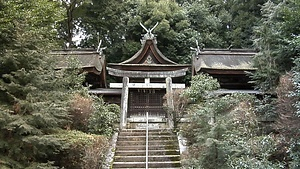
224 59
87 58
148 58
148 61
148 54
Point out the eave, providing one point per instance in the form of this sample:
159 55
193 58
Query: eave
148 67
147 74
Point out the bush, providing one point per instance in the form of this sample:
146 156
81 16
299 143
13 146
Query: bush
80 147
81 109
69 149
91 114
200 86
104 118
223 133
296 84
7 163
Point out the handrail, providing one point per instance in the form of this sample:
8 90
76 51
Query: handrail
147 140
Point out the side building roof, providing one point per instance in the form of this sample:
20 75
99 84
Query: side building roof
87 58
224 59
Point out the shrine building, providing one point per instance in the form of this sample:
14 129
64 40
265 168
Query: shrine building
148 75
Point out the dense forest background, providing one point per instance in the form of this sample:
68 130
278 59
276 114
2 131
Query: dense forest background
40 108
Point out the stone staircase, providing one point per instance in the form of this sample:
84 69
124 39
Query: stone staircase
163 149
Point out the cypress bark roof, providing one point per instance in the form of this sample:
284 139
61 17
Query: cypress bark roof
224 59
87 58
148 54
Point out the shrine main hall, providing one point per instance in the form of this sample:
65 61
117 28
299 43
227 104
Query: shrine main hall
144 79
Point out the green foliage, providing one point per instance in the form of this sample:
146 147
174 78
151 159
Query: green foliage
73 12
91 114
200 87
104 118
223 133
274 37
104 20
34 97
83 150
208 18
7 163
69 149
296 82
251 151
294 148
117 24
266 108
294 151
48 165
245 15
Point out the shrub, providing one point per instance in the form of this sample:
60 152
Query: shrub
104 118
81 109
69 149
91 114
200 86
223 133
8 163
294 149
80 146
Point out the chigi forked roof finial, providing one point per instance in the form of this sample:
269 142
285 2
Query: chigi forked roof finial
149 34
197 49
99 49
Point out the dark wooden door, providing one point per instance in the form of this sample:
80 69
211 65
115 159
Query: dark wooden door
146 100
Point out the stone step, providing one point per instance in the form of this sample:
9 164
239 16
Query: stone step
152 168
150 142
144 130
143 152
163 150
142 147
143 133
150 137
160 164
152 158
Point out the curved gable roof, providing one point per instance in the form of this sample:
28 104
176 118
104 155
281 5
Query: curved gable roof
148 54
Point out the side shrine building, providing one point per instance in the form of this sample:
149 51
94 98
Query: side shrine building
148 75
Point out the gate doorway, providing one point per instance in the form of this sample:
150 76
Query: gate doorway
146 100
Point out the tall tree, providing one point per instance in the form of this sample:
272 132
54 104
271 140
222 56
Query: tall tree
34 97
70 25
104 20
32 33
210 19
245 15
174 34
276 30
118 25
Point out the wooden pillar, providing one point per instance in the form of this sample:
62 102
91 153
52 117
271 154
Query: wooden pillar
124 103
170 104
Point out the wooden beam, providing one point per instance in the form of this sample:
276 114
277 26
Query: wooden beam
147 85
144 74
